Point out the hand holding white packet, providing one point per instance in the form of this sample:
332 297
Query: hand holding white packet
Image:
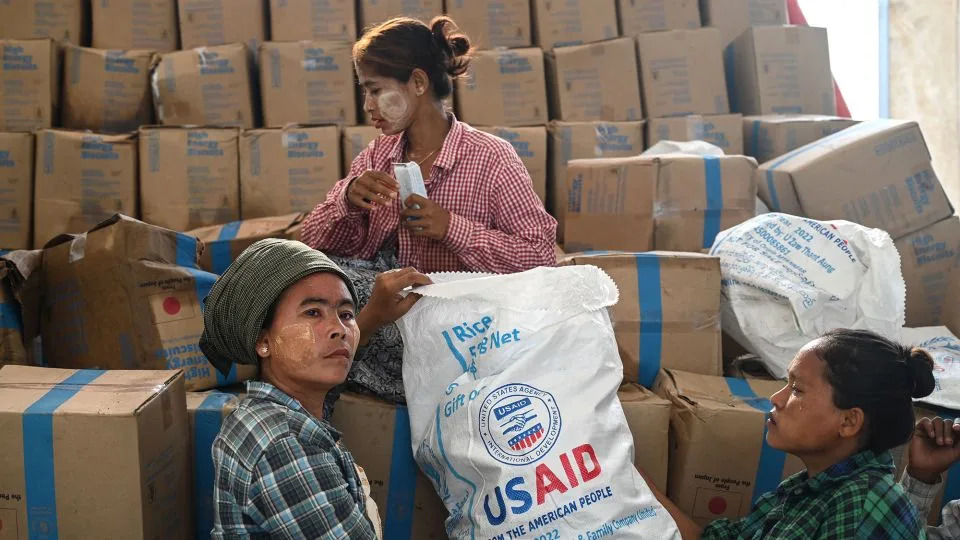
511 385
786 280
410 179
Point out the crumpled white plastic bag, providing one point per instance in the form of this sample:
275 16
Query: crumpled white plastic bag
944 347
695 148
787 280
511 385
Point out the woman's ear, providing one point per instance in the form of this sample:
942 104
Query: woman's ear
263 344
421 82
852 422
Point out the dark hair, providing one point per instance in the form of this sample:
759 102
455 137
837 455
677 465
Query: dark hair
396 47
880 377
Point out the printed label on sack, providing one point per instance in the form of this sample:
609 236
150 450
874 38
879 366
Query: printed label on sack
519 424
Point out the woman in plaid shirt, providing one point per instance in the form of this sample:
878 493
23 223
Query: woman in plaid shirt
481 213
847 402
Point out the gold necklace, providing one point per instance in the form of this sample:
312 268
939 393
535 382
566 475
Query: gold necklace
419 163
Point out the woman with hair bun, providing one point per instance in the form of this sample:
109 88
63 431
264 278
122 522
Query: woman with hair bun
847 402
481 212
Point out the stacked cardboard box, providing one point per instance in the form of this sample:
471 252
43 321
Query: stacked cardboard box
30 78
493 23
770 136
721 130
504 87
287 170
93 454
573 22
714 418
373 12
16 193
355 140
224 243
579 82
671 202
61 20
107 91
307 82
309 20
640 16
136 24
81 179
668 315
189 177
217 22
530 144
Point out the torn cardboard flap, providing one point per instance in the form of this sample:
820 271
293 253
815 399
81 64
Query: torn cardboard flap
134 301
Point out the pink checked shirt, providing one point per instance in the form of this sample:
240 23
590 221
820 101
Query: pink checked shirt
497 222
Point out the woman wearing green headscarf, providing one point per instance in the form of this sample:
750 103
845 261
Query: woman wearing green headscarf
281 470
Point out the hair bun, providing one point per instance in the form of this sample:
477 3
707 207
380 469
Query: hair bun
921 368
454 44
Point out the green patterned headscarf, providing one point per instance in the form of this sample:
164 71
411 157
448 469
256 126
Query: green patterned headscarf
239 302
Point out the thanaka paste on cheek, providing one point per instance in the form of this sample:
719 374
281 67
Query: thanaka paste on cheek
393 106
296 344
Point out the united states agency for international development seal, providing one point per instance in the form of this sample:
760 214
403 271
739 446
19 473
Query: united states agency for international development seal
519 424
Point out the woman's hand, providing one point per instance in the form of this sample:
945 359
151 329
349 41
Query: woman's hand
935 446
429 220
386 304
372 189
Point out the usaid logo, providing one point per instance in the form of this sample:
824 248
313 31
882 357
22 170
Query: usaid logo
519 424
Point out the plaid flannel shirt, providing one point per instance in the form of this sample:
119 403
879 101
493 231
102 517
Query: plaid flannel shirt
497 222
856 498
923 495
282 473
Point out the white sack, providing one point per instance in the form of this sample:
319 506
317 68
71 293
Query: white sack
944 347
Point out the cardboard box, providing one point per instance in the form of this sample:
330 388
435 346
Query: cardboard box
770 136
668 315
573 22
531 145
326 20
189 177
733 17
782 70
682 73
641 16
722 130
217 22
877 173
128 295
670 202
378 435
80 180
106 91
581 140
308 82
493 23
205 412
205 86
287 170
504 87
135 24
20 307
61 20
720 462
580 82
355 140
224 243
93 454
30 78
648 417
377 11
16 190
927 262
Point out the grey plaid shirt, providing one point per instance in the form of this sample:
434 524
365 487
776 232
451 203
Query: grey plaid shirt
281 473
923 495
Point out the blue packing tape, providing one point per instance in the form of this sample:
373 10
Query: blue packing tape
713 178
202 282
38 462
220 255
206 425
398 524
651 318
770 468
10 317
